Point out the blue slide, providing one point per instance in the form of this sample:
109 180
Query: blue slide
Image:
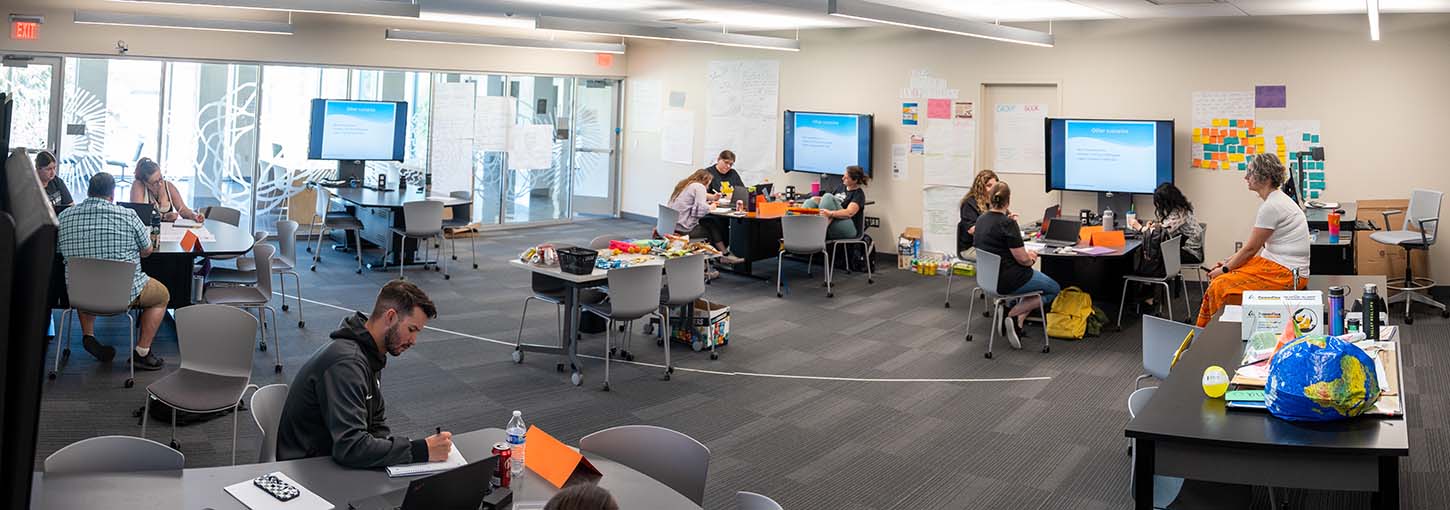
358 130
1102 155
825 143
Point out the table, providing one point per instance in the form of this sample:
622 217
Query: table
203 487
381 211
168 263
753 237
1183 433
1101 276
1333 258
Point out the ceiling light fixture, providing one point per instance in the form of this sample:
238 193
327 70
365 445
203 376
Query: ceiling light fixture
666 33
877 13
395 34
383 8
186 23
1373 7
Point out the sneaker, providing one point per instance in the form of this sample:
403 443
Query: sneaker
103 353
730 259
1011 333
150 362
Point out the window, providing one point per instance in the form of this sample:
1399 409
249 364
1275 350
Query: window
210 140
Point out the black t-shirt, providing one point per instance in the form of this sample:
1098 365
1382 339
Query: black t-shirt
970 213
856 196
58 194
716 178
997 234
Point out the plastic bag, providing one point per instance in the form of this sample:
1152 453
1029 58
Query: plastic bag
1318 378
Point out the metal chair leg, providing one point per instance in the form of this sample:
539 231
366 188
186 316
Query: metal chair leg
131 331
996 323
1122 302
779 266
608 334
235 412
948 301
1168 296
971 310
1042 310
145 412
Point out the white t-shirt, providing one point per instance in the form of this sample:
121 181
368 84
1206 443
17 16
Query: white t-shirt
1288 246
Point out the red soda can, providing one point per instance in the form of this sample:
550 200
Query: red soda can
505 463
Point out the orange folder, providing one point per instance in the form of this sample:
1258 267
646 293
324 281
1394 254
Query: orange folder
1111 239
552 459
770 209
1085 233
190 242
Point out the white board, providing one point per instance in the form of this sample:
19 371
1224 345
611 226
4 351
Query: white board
644 105
1019 139
677 137
741 114
531 147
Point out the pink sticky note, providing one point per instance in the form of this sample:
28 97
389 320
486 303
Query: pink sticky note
938 108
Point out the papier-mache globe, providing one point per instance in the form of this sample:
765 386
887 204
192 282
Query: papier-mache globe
1318 378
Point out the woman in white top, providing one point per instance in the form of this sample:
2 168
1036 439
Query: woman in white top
1278 244
150 187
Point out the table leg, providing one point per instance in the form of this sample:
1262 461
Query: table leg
1388 497
571 332
1143 475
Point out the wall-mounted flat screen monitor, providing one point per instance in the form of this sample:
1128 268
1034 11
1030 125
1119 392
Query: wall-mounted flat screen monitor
1110 156
827 143
358 130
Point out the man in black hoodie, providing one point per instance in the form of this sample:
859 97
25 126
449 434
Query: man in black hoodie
335 403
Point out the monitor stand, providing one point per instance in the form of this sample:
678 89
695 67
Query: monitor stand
1118 202
352 169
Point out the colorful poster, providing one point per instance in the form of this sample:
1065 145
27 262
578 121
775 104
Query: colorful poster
1224 134
962 110
1270 96
938 108
918 144
910 114
1288 140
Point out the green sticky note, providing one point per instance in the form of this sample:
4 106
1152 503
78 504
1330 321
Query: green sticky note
1307 137
1233 123
1231 140
1243 166
1315 176
1314 139
1314 194
1316 184
1208 155
1244 396
1319 165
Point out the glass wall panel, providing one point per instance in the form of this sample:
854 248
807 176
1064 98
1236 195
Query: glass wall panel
283 169
541 194
111 117
29 86
210 140
415 88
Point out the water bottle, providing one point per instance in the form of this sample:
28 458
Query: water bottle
1371 322
1336 310
1334 227
516 429
155 226
1107 220
1131 216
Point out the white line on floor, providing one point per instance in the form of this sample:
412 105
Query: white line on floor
718 372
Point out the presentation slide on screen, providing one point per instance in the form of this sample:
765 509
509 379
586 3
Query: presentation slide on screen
353 130
825 143
1110 155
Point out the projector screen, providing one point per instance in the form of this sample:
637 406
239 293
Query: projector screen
358 130
826 143
1121 156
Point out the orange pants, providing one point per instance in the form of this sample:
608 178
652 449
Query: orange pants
1258 274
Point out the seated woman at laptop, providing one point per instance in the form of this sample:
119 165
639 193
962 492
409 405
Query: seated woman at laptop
848 214
1278 244
998 234
1175 215
973 203
150 187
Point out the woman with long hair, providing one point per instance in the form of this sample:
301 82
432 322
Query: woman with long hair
847 213
974 203
998 234
1175 215
55 189
152 188
693 202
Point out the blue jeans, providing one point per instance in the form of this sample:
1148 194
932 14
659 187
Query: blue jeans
1041 282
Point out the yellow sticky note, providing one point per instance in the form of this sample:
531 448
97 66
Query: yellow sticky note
1197 131
1197 138
1220 122
1236 157
1279 140
1258 131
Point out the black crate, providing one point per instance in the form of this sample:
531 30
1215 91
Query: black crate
575 260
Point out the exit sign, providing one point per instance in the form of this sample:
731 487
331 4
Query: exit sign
24 30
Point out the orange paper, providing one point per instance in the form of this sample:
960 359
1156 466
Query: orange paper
768 209
1086 232
552 459
1112 239
190 242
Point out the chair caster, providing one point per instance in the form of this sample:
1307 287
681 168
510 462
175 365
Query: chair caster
559 367
606 387
437 269
660 342
309 249
357 271
130 383
577 378
475 266
455 257
276 369
969 337
1409 319
175 445
989 355
301 324
830 294
620 328
313 268
665 377
714 356
947 304
628 356
262 346
870 281
518 356
284 308
1046 349
670 370
779 295
447 277
51 376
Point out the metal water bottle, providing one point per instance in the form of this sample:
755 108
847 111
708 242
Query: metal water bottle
1336 310
1372 311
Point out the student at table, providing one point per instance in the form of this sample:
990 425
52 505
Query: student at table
55 189
584 496
973 203
151 187
1175 216
693 203
1277 244
848 213
723 171
335 403
99 229
999 234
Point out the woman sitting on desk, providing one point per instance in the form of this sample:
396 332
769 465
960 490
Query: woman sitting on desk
1278 243
973 203
55 190
998 234
152 188
848 213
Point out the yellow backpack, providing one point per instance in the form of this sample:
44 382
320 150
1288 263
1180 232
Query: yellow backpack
1069 316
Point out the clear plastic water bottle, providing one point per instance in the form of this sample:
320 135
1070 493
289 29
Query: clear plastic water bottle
1107 220
516 429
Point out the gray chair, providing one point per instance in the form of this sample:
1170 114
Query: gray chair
113 454
283 263
1161 338
1172 269
634 292
665 221
685 283
552 291
676 459
1165 488
752 501
455 227
324 220
422 220
223 214
216 365
266 405
253 297
869 247
803 234
1424 216
988 267
1198 268
97 287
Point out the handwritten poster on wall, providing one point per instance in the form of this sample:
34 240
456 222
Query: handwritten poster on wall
939 214
531 147
1019 144
741 114
644 105
948 159
1224 134
898 162
491 122
450 157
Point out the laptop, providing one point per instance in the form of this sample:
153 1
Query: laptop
461 487
1061 232
1049 214
143 211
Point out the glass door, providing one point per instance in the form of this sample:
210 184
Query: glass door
540 194
33 83
596 146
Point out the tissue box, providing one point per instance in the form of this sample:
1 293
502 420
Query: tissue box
1268 311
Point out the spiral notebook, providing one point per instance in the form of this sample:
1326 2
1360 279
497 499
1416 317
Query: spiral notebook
455 459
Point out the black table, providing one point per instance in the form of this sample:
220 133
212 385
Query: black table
753 237
381 211
168 263
203 487
1183 433
1101 276
1333 258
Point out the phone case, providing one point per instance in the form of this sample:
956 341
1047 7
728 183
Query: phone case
278 488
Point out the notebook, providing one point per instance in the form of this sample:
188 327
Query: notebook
455 459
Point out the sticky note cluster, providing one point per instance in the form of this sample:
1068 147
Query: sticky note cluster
1227 144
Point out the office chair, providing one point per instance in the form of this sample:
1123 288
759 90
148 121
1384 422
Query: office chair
869 247
671 457
423 220
1424 216
1172 268
324 220
216 365
803 234
284 263
266 405
752 501
257 296
113 454
988 265
97 287
634 292
456 227
665 221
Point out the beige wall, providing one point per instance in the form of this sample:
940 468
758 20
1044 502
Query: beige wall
1382 104
319 39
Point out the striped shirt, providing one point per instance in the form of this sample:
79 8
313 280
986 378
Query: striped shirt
99 229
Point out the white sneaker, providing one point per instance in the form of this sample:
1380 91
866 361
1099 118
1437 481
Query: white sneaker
1011 333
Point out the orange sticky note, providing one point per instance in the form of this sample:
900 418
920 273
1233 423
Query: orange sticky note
1248 123
1249 149
190 242
1197 163
552 459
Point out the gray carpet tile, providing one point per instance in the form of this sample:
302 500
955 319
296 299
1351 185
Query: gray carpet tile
928 428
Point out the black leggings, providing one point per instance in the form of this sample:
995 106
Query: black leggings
710 229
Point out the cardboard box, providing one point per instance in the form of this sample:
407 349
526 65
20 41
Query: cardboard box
1373 258
1268 310
711 323
907 245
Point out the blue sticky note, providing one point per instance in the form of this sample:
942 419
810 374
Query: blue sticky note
1233 123
1314 194
1316 184
1307 137
1315 176
1208 155
1231 140
1243 166
1314 139
1319 165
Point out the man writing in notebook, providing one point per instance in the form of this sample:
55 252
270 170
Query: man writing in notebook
335 403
